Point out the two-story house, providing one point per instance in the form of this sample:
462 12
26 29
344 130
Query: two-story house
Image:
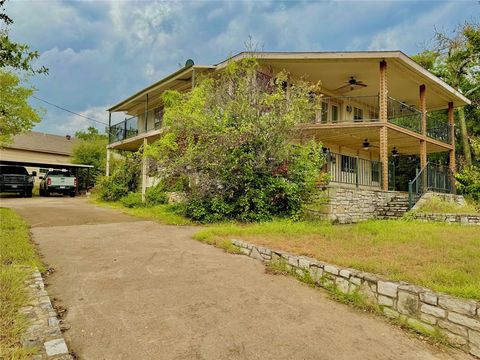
375 105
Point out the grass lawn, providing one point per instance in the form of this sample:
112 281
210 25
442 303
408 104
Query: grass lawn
437 205
16 251
164 214
443 257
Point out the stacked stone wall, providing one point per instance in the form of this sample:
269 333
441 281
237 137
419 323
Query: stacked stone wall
456 319
343 204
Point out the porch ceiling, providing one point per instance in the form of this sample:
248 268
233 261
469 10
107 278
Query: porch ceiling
353 138
403 74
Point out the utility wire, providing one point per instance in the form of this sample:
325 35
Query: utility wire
71 112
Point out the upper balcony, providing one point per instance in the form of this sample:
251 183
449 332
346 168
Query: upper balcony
364 110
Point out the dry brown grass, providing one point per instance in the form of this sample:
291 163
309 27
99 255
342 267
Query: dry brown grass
439 256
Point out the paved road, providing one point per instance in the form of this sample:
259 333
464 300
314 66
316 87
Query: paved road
139 290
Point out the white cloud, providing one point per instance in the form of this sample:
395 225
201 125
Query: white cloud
100 52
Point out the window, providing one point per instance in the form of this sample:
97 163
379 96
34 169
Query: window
349 164
158 117
357 114
334 114
375 171
42 170
324 114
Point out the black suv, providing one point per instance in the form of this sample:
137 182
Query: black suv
15 179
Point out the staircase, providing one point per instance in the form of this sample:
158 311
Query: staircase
395 208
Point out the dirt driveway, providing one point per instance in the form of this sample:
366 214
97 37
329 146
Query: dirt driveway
139 290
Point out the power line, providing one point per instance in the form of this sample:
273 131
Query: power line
69 111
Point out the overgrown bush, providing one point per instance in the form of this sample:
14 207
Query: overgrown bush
468 182
124 178
232 137
156 195
132 200
109 189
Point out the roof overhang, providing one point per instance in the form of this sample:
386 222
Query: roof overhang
401 69
176 80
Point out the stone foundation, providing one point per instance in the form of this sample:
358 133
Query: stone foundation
343 204
423 309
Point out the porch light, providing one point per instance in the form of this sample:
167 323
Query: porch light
394 152
366 144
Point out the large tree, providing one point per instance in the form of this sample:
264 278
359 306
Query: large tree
229 143
16 114
15 55
455 58
91 149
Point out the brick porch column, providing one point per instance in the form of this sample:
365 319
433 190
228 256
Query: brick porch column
383 117
423 126
451 123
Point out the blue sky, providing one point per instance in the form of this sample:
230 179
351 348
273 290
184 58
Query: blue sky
100 52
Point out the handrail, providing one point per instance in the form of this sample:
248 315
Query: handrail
432 177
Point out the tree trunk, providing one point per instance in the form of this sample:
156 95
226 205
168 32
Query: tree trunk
464 136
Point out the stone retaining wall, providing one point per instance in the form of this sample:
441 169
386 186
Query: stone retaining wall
423 309
457 199
464 219
44 332
343 204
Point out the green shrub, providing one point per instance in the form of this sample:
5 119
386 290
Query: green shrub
109 189
124 178
132 200
468 182
156 195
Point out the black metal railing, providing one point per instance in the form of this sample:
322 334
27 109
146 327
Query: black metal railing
438 129
404 115
124 130
354 170
433 177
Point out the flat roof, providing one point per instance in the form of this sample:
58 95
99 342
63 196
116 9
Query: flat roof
43 164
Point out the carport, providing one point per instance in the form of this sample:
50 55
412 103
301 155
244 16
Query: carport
75 169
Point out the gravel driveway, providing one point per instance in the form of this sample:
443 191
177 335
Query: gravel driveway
136 289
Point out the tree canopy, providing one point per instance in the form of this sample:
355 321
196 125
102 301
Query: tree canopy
16 114
455 58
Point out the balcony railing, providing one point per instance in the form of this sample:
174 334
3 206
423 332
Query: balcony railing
124 130
354 170
365 109
404 115
438 129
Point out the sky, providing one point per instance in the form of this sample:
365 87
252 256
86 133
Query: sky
100 52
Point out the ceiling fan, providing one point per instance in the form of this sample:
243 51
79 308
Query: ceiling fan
352 83
366 145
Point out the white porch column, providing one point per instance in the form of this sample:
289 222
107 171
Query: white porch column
107 167
144 172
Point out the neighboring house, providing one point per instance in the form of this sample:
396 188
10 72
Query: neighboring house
40 152
376 105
